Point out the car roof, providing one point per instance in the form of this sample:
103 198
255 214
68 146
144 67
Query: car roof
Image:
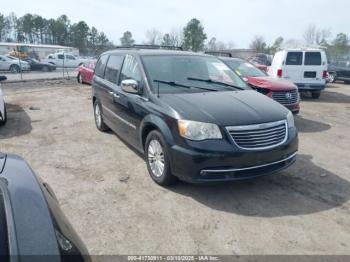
145 52
224 58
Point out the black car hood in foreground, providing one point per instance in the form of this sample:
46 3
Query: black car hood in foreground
226 108
37 228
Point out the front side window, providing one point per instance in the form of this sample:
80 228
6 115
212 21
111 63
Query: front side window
183 69
100 66
312 58
60 57
294 58
130 70
113 67
70 57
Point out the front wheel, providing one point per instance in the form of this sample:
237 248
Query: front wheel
80 78
332 78
316 94
15 69
157 158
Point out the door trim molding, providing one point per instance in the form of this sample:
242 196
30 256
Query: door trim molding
119 118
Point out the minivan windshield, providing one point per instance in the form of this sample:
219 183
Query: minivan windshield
244 68
202 73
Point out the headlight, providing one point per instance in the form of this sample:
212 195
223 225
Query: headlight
290 120
198 131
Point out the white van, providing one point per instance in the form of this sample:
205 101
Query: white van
307 68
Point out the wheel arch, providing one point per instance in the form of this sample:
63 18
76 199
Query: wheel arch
150 123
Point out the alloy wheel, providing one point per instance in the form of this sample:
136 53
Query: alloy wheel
156 158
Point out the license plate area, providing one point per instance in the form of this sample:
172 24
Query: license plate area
309 74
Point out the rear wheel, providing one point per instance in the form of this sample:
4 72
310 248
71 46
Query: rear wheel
15 69
98 117
157 159
4 118
316 94
332 77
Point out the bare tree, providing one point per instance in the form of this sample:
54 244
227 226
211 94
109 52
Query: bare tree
314 36
212 44
258 44
153 36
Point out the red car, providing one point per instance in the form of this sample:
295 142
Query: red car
86 72
282 91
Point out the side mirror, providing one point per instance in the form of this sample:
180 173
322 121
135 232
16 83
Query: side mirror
130 86
3 78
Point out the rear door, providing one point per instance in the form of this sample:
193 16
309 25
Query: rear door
292 69
313 67
109 91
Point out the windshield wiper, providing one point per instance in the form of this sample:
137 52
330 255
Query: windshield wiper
215 82
173 83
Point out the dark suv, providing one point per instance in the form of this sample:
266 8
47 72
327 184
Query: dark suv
191 116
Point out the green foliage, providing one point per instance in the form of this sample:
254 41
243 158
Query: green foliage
126 39
35 29
194 36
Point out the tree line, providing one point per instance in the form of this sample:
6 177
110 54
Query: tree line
35 29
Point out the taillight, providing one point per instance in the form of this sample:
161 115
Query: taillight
279 73
324 74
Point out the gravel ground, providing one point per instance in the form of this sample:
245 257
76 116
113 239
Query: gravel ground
302 210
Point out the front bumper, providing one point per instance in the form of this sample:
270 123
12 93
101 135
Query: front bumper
207 165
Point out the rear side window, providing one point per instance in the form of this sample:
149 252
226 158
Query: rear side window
294 58
113 68
100 66
312 58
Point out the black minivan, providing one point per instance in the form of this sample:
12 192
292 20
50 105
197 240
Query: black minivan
191 116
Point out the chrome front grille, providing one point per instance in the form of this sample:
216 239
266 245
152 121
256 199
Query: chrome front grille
286 97
261 136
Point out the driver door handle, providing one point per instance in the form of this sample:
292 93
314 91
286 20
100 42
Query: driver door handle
116 95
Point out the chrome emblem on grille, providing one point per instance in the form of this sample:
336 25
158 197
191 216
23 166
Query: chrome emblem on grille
289 96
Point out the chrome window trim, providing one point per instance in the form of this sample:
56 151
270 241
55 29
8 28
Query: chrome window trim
118 117
257 127
248 168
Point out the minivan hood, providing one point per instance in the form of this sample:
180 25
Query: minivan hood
271 83
227 108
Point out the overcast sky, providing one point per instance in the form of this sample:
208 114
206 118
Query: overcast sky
227 20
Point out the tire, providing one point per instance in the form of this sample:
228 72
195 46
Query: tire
332 78
15 69
80 79
46 69
98 117
316 94
3 122
157 159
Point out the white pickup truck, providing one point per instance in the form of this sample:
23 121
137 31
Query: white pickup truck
64 59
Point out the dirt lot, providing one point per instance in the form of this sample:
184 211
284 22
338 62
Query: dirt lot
303 210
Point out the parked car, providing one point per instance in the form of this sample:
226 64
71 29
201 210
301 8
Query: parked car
191 116
64 59
3 114
284 92
339 70
36 65
307 68
86 72
12 64
261 58
32 224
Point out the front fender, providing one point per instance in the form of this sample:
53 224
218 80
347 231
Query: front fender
159 123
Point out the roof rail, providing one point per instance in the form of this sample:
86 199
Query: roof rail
219 53
151 47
